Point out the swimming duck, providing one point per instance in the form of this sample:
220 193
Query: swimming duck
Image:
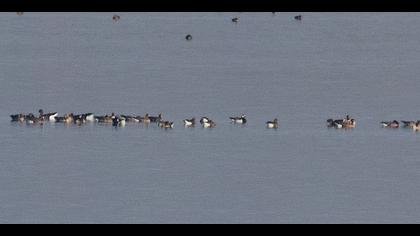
166 124
349 124
32 119
47 117
209 124
416 127
189 122
155 119
131 119
204 120
188 37
145 119
83 118
408 124
18 118
335 123
118 121
238 120
79 119
340 123
67 118
108 119
390 124
116 17
88 117
272 124
235 20
298 17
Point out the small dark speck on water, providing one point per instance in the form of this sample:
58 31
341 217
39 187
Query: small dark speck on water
116 18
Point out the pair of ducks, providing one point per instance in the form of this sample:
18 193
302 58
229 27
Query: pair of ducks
242 120
346 123
415 125
204 121
77 119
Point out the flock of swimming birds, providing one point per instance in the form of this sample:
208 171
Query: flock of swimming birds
121 120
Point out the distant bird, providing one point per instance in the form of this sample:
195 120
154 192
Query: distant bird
79 120
86 117
166 124
108 119
188 37
390 124
409 124
335 123
209 124
116 18
416 127
31 119
349 124
18 118
67 119
204 120
272 124
155 119
298 17
131 118
118 121
48 117
189 123
145 119
238 120
235 20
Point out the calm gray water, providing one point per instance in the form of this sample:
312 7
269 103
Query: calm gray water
327 65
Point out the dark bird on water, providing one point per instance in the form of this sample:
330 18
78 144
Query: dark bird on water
116 18
188 37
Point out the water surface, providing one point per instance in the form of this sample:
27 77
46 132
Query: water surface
265 66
